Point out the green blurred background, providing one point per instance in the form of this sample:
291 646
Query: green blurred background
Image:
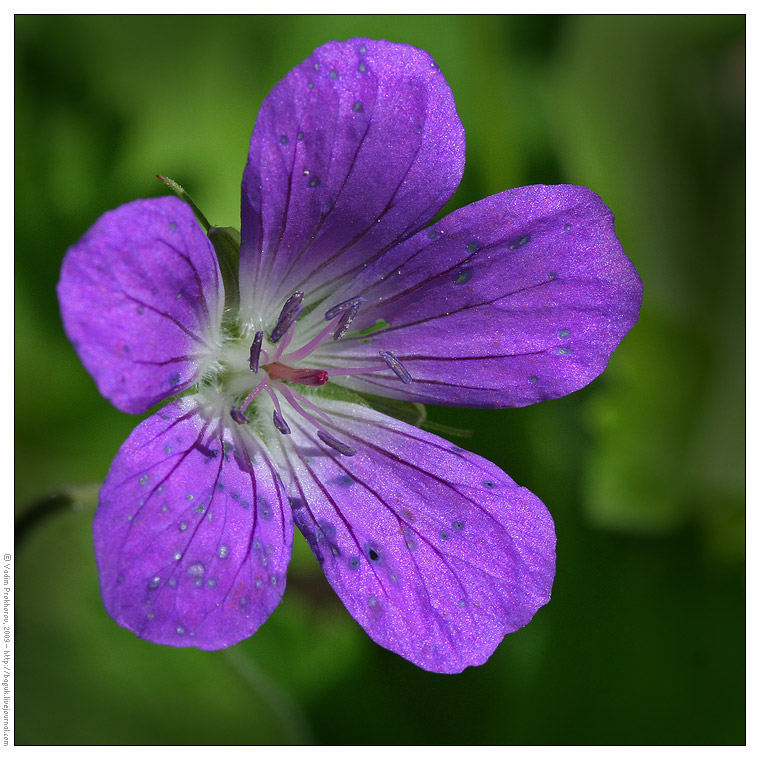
643 641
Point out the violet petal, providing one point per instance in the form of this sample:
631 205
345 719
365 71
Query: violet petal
355 149
435 551
515 299
141 300
192 539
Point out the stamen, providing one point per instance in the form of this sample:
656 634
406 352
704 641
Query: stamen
342 306
284 343
238 416
296 399
280 423
277 418
288 315
255 392
304 351
398 368
367 369
391 362
349 310
253 362
339 446
346 320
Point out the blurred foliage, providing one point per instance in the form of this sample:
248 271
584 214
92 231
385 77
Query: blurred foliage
643 471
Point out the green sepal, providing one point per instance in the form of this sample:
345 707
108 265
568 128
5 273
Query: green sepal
183 195
226 242
407 411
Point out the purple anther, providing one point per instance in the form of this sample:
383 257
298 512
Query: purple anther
401 372
334 443
288 315
238 416
352 303
345 321
349 309
280 423
253 362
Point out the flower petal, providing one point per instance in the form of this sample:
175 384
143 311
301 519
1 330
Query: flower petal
141 300
355 149
515 299
435 551
193 533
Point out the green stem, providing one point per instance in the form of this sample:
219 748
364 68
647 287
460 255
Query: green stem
283 707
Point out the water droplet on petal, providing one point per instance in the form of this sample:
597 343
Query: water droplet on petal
519 242
154 582
223 552
463 276
564 351
196 570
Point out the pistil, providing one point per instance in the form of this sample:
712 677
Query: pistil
255 355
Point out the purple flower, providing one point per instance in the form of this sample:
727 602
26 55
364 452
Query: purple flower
340 293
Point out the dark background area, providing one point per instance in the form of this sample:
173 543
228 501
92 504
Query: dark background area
643 641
